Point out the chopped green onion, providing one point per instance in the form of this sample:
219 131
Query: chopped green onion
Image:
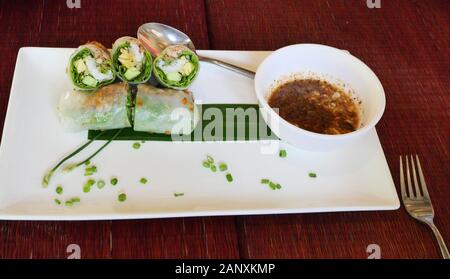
272 185
229 177
122 197
283 153
87 186
312 174
114 181
88 162
136 145
213 168
223 167
176 195
58 202
59 190
100 184
90 170
209 159
72 201
206 164
143 180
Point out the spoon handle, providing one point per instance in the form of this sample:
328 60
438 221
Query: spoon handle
229 66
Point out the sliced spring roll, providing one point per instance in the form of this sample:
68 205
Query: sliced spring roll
90 67
102 109
164 111
132 62
176 67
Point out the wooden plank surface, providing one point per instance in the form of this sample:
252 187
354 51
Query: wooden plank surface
404 42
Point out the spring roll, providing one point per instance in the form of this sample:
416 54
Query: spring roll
132 62
164 111
90 67
176 67
106 108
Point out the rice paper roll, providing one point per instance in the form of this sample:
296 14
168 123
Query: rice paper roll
102 109
164 111
176 67
90 67
132 62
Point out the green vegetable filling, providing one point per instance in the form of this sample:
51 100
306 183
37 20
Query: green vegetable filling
182 78
137 75
83 80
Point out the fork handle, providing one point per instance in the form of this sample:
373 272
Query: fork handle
440 240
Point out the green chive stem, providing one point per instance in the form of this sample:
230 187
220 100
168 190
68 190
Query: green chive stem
48 175
101 148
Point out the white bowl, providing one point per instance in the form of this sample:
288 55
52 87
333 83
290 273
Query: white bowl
333 65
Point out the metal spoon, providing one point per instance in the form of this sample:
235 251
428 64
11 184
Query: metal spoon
157 36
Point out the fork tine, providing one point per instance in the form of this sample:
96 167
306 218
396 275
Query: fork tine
422 179
416 184
402 180
408 180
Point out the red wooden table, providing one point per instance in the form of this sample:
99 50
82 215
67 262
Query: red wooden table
405 42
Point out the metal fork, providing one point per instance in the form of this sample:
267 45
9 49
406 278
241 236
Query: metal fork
418 204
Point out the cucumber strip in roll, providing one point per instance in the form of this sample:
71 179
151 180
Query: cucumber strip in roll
90 67
176 67
103 109
132 62
164 111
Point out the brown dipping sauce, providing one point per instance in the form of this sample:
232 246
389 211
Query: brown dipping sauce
316 106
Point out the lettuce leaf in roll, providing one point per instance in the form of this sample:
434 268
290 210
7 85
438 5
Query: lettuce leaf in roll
102 109
90 67
176 67
164 111
132 62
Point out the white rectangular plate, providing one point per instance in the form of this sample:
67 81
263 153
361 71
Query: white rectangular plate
352 179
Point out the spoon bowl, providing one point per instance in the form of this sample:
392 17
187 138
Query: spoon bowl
157 36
